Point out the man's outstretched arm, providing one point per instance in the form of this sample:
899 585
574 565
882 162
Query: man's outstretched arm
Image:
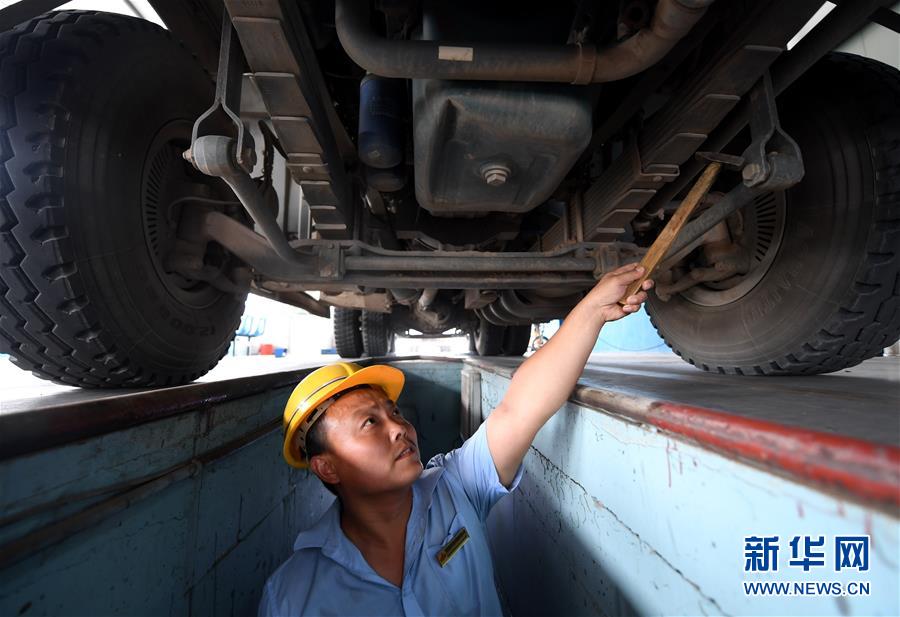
544 381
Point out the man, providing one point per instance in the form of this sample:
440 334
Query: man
400 540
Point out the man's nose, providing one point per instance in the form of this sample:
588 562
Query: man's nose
399 427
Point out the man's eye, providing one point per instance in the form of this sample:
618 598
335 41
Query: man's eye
369 419
396 410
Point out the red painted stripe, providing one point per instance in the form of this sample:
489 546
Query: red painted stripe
868 470
860 468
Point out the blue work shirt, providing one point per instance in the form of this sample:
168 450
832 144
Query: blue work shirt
328 575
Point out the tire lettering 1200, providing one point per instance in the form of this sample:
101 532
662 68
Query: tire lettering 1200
785 282
173 321
181 326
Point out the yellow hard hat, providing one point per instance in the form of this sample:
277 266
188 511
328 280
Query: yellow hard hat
319 388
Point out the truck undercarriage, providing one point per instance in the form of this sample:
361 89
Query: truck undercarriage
478 168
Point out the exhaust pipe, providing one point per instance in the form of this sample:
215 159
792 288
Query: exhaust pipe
574 64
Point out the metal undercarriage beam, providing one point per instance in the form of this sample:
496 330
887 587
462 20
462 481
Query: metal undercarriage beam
348 264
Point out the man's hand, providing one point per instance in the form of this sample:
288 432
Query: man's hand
604 297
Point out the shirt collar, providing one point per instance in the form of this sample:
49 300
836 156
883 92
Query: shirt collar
326 532
318 534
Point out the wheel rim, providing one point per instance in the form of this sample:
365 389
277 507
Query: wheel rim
763 234
167 179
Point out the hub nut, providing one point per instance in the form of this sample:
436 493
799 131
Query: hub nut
751 172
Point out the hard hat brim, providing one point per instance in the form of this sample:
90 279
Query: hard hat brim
388 378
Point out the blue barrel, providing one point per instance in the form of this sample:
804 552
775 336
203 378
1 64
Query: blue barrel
381 110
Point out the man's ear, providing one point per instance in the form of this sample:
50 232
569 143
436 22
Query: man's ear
321 465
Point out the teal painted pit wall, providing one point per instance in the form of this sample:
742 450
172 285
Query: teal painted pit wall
203 545
617 518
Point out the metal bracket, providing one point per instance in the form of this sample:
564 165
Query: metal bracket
607 260
767 135
330 262
727 161
609 256
227 100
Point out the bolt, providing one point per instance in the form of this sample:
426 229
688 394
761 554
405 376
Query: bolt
188 156
751 171
495 175
495 178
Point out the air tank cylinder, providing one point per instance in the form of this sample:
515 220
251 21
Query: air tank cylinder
381 109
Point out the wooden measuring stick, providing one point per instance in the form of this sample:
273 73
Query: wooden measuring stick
661 245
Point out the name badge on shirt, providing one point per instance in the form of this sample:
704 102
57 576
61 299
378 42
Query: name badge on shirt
449 550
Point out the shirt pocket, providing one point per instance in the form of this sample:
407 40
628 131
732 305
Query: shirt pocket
457 577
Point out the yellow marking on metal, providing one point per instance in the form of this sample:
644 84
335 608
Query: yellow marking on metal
456 54
449 550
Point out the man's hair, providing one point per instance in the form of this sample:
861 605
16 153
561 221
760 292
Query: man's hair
315 436
315 444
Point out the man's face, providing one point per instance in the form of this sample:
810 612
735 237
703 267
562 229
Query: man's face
370 444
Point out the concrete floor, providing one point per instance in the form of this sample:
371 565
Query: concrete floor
862 401
20 389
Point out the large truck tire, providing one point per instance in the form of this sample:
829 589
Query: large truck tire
487 338
516 339
94 112
347 333
830 297
493 340
377 335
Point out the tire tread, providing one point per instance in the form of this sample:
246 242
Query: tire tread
376 333
347 335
